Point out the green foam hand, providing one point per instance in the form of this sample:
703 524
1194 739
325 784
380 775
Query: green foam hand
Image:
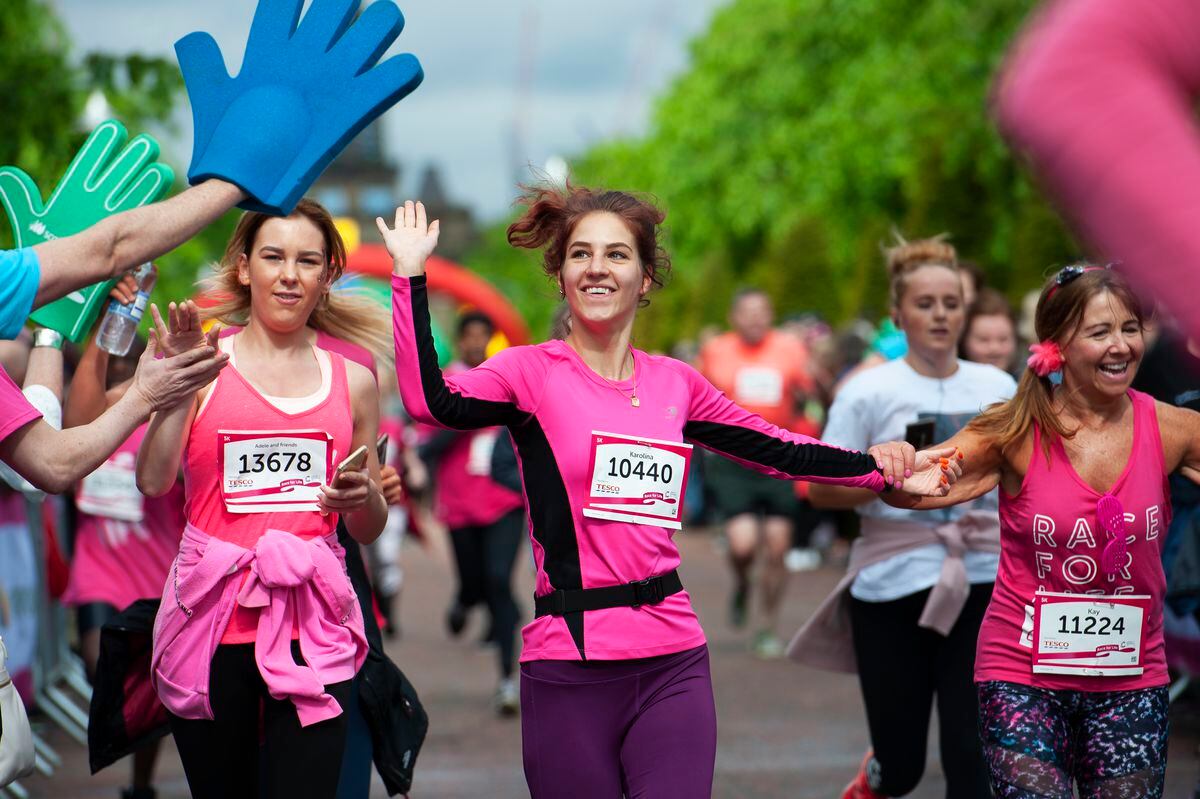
106 176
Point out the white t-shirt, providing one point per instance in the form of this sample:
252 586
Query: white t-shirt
876 406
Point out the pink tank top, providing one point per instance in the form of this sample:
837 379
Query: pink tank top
119 562
1052 541
236 405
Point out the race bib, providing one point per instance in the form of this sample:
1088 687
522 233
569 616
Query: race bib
111 491
758 385
1088 635
479 457
639 480
273 470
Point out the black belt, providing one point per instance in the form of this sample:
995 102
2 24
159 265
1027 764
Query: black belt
631 595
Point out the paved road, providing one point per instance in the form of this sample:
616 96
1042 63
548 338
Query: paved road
785 731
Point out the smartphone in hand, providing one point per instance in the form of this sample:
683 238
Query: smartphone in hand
352 463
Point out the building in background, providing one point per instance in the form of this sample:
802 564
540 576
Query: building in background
364 183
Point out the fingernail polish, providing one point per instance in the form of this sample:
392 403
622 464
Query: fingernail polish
908 472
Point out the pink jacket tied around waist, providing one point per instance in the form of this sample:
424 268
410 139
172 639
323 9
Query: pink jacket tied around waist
297 583
824 641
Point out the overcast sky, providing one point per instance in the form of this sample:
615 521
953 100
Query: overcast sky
593 70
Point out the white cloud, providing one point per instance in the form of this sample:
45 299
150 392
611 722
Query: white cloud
592 70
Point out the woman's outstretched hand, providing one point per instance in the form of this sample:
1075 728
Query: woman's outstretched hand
934 472
411 241
183 330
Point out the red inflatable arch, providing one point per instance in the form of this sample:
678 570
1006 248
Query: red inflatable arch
446 276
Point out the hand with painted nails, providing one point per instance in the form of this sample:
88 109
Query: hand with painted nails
895 459
934 472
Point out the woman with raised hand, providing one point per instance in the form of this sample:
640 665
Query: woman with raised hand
259 627
616 693
1070 671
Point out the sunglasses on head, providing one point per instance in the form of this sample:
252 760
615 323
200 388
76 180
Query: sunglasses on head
1074 272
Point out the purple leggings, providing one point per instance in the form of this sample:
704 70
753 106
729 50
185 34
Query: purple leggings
612 728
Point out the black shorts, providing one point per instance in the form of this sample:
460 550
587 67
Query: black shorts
737 490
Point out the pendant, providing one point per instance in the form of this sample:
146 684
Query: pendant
633 400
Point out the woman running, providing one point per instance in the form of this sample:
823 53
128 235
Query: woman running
124 541
258 612
616 693
1070 670
917 583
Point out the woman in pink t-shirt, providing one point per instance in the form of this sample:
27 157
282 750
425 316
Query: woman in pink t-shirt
616 694
259 632
1070 667
124 541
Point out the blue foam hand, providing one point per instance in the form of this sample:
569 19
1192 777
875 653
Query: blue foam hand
302 94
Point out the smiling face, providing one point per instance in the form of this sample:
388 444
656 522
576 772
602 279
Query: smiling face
286 272
991 339
602 277
1102 357
930 311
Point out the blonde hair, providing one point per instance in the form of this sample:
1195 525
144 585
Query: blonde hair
905 257
348 315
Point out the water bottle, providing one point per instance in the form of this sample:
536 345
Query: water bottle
121 320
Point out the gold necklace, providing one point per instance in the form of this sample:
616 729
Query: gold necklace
633 397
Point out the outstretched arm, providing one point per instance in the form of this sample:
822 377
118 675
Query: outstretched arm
123 241
53 460
980 463
718 424
481 397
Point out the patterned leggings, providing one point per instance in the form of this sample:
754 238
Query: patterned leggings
1037 742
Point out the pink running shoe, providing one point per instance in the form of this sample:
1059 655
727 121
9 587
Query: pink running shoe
860 786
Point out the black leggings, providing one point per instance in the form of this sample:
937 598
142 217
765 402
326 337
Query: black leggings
222 758
901 667
485 556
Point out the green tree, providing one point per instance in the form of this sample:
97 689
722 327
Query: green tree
804 131
42 96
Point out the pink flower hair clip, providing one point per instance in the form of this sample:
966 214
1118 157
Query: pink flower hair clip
1046 358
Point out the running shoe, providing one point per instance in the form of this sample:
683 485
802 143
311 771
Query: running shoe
138 793
860 786
738 601
508 699
802 559
767 645
456 619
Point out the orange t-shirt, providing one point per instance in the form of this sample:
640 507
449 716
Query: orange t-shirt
762 378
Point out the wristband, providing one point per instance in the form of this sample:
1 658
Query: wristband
45 337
